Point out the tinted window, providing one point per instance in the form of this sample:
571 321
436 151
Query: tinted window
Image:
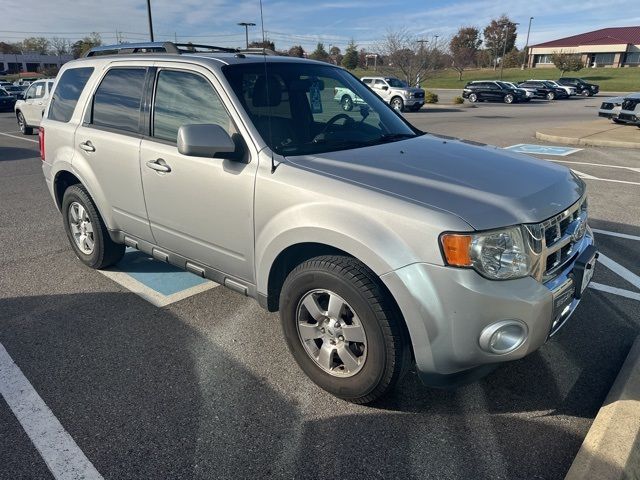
367 81
185 98
65 97
116 103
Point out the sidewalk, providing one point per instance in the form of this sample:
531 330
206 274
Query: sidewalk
598 133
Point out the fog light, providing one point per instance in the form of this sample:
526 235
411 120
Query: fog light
503 337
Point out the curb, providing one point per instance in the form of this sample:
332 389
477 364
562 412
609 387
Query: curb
611 449
594 142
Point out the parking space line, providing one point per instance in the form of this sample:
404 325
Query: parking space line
616 291
591 177
19 138
60 452
616 234
621 271
633 169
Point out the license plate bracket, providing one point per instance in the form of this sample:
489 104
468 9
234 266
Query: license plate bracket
583 270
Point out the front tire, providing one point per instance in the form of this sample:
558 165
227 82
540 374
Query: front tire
86 231
343 329
22 123
508 98
551 96
473 98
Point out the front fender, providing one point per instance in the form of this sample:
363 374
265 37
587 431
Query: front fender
360 235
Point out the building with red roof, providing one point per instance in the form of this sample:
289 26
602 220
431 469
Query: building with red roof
607 47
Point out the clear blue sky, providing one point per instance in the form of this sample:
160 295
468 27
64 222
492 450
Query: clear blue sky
305 22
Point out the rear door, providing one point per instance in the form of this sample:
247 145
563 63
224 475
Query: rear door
109 139
202 208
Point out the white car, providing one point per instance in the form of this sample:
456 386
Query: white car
630 110
610 108
30 110
571 91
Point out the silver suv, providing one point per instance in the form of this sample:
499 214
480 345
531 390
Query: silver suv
396 92
381 246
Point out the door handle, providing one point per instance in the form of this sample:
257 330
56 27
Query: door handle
159 165
87 146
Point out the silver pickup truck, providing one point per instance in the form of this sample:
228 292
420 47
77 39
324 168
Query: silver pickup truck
382 247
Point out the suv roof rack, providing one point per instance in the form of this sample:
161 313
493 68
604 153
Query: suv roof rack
170 48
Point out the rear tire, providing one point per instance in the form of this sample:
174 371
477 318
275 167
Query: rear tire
350 315
22 123
347 103
86 230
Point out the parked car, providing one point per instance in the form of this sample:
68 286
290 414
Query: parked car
346 98
630 110
610 108
571 90
6 101
30 110
528 92
16 91
492 90
544 89
582 87
396 92
380 245
4 83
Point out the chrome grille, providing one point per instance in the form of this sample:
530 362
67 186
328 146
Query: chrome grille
560 235
607 106
418 95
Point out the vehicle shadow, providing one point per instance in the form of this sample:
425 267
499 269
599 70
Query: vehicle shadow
17 153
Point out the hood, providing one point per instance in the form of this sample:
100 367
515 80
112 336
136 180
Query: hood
408 89
486 186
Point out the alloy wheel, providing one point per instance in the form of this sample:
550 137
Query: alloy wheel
81 228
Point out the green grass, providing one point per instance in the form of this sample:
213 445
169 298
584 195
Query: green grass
609 79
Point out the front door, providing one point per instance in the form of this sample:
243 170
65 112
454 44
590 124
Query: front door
203 207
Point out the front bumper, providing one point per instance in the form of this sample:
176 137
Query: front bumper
607 114
410 102
446 310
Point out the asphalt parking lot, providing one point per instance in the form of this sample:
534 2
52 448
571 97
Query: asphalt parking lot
204 387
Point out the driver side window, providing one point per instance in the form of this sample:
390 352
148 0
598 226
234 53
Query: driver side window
35 91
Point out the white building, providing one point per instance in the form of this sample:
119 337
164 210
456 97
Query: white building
30 62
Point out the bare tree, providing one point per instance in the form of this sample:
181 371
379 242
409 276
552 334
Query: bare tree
406 56
60 46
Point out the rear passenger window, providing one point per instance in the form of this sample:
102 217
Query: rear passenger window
116 103
184 98
66 95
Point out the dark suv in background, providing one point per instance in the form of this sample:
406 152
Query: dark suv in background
492 91
583 88
544 89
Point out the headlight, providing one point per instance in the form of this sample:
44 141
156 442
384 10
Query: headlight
497 254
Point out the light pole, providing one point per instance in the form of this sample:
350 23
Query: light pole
526 46
246 26
504 46
150 21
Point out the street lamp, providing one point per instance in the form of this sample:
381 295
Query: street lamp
246 26
526 46
504 46
150 21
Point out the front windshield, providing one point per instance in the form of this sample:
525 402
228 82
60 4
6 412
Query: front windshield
305 108
396 83
505 85
549 84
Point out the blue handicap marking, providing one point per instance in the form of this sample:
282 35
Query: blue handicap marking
542 149
158 282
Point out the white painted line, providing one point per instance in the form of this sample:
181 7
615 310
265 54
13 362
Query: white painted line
60 452
19 138
591 177
149 294
616 291
585 175
616 234
633 169
621 271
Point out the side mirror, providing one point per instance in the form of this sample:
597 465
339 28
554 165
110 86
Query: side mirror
385 87
205 140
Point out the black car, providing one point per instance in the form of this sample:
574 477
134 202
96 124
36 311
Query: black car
16 91
6 101
582 88
544 89
489 90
